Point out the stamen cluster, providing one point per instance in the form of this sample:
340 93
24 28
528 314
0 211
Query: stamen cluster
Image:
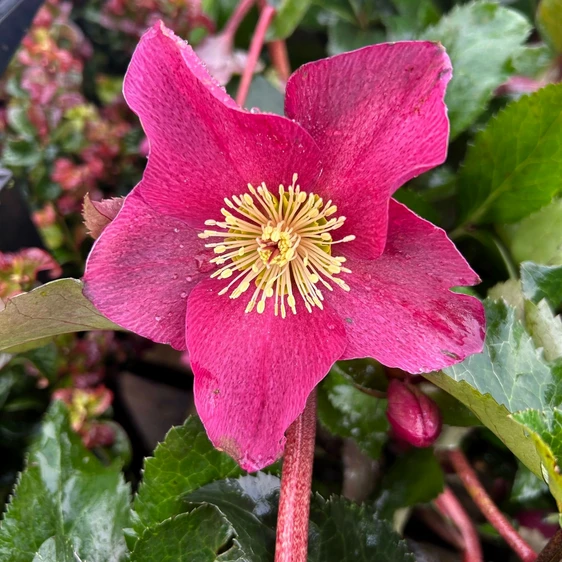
282 245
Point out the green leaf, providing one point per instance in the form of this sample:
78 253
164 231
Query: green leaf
58 307
549 22
198 536
531 60
542 282
350 412
509 376
57 549
537 237
184 462
416 202
545 329
16 116
527 489
515 164
250 505
341 531
411 18
21 152
265 96
344 36
65 492
415 477
288 15
480 38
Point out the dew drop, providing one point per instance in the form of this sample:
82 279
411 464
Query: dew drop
189 278
175 276
183 295
255 110
181 245
176 230
157 318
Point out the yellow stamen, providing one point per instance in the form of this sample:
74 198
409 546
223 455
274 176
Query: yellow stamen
278 243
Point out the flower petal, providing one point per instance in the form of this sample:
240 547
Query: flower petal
254 372
400 309
379 119
202 146
141 270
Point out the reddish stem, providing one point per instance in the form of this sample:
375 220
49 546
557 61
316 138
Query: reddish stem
449 505
280 59
232 25
296 479
256 45
489 508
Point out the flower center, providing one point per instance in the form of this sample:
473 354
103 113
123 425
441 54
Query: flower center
282 245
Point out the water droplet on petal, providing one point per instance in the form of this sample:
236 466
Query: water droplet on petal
157 318
183 295
181 245
189 278
176 230
255 110
175 276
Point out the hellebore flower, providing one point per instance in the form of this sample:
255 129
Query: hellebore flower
269 247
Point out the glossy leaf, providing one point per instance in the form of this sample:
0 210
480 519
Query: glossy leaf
350 412
58 307
415 477
542 282
480 38
341 531
198 536
250 505
515 164
65 492
184 462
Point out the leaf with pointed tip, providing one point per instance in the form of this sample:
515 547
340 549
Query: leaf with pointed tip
542 282
182 463
250 505
514 166
67 493
480 37
58 307
197 536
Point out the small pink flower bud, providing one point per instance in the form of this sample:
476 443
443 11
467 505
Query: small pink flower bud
414 417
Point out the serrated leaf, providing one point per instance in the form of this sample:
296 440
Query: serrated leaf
288 15
350 412
538 237
545 329
549 22
67 493
415 477
184 462
515 164
542 282
480 37
58 307
198 536
509 376
545 428
341 531
249 503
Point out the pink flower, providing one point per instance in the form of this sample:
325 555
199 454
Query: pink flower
268 286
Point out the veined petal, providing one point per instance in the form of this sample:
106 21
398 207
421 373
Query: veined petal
379 118
202 146
400 309
141 270
254 372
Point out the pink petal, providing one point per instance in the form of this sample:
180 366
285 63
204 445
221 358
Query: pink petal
202 146
400 309
254 372
141 270
379 118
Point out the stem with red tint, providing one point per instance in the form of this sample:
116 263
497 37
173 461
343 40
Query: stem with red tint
481 498
552 552
280 59
236 18
296 478
255 48
449 505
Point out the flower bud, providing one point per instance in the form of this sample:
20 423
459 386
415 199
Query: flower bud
414 417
